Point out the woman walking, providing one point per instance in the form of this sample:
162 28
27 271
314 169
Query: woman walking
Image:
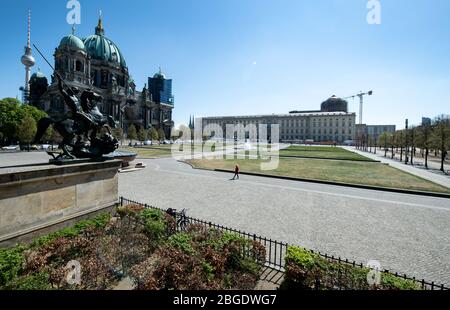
236 172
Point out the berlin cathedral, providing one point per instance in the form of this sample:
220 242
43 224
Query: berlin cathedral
96 63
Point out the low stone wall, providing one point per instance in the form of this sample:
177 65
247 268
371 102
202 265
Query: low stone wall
37 199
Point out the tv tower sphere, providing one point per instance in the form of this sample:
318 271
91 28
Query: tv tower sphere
28 59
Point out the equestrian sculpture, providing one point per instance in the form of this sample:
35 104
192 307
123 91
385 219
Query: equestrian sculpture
81 127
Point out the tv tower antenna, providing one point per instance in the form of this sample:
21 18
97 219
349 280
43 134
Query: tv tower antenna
28 61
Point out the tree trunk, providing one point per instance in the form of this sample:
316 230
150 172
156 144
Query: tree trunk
426 158
442 157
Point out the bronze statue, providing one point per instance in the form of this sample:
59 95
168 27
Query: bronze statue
80 128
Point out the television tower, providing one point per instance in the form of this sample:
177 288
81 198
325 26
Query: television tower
28 61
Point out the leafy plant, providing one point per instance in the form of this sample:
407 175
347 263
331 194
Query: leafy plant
209 270
307 270
39 281
182 241
11 264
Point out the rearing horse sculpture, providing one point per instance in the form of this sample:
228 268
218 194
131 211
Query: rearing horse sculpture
79 129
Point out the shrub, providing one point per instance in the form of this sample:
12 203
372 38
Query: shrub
51 249
209 270
96 223
182 241
391 282
307 270
11 264
129 210
39 281
157 225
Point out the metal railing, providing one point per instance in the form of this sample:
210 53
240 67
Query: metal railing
276 250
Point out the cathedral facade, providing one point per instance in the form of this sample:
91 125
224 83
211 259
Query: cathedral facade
96 63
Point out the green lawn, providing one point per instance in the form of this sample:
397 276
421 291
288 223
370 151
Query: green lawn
353 172
148 152
321 152
164 150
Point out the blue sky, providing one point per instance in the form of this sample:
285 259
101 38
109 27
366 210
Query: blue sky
238 57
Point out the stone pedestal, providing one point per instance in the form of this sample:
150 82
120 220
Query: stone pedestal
35 200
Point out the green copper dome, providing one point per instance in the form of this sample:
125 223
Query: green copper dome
72 41
159 75
38 75
101 48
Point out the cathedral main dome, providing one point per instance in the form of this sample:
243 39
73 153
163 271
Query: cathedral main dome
101 48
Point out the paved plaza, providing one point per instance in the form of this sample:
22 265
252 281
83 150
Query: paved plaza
406 233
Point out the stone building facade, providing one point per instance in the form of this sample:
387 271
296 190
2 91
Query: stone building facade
295 127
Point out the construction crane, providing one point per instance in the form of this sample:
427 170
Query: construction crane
361 101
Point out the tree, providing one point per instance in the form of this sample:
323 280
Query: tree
383 141
413 142
27 130
132 135
184 132
118 133
48 134
392 140
424 141
441 136
400 143
142 135
153 134
161 134
12 113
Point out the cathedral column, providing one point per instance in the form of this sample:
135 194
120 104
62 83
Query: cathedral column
88 69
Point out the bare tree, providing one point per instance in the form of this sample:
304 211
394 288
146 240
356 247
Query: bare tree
441 136
424 141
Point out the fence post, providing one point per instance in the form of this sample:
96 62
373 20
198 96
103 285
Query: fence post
121 201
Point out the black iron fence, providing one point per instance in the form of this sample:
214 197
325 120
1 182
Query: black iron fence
276 251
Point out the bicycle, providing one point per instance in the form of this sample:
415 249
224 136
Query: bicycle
181 218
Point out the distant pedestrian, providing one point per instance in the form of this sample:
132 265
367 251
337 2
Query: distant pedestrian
236 172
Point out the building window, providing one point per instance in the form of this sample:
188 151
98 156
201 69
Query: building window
79 66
